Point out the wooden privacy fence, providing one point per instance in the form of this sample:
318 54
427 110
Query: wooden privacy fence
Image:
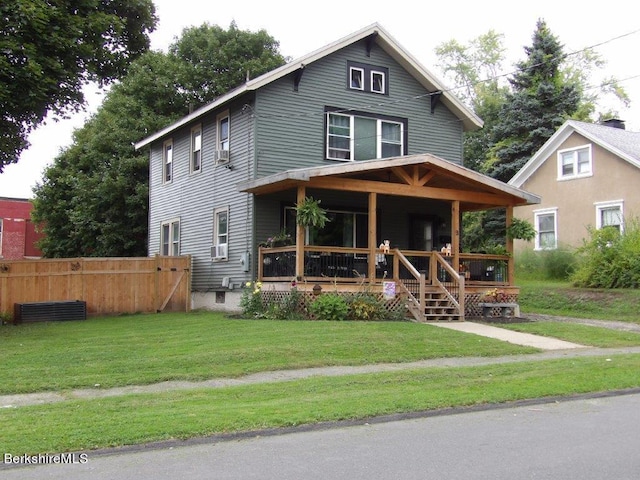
107 285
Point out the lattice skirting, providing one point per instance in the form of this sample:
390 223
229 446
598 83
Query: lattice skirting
472 309
307 298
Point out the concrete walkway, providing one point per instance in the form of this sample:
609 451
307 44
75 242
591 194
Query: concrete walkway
519 338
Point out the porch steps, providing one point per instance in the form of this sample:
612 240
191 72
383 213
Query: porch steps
437 308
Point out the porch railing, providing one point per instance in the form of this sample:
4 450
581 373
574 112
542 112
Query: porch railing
450 282
344 264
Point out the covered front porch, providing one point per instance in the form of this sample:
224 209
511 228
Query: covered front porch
414 202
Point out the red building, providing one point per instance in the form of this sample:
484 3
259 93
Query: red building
18 235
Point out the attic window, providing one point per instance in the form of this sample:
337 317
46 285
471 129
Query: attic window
575 163
368 78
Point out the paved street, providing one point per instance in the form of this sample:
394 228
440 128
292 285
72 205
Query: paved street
589 439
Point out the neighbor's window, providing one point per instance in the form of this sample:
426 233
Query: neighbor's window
610 214
170 238
359 137
167 161
196 149
574 163
546 229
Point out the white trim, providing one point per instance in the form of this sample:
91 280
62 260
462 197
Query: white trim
384 81
357 69
167 162
194 129
543 212
171 224
221 249
600 206
575 151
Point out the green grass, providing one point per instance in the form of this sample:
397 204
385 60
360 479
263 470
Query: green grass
134 419
580 334
560 298
144 349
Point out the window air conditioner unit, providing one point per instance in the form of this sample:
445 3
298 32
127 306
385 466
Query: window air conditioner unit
222 157
219 252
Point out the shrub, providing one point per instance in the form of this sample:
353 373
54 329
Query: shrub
366 306
329 306
610 259
558 264
251 300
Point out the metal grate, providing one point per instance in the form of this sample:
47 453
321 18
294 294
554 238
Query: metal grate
50 311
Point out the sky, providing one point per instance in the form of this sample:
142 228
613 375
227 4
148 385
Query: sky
419 27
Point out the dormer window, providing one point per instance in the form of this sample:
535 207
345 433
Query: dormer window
575 163
368 78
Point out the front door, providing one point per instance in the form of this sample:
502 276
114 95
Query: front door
421 233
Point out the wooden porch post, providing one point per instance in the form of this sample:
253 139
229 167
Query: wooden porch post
455 234
300 234
511 267
373 241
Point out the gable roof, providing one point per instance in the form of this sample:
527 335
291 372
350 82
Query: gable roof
421 175
468 118
623 143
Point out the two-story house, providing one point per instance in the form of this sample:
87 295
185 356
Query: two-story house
361 126
587 176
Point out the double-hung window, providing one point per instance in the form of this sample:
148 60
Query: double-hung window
196 149
167 161
223 132
170 238
575 163
219 250
364 137
546 224
610 214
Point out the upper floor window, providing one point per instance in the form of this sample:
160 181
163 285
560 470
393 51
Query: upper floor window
575 163
360 137
170 238
546 225
223 131
196 149
610 214
368 78
167 161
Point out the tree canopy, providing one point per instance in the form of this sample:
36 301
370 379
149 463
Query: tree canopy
50 49
93 199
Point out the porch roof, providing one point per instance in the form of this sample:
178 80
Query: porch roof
418 176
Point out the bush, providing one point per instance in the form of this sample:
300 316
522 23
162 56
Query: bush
366 306
251 300
610 259
329 306
558 264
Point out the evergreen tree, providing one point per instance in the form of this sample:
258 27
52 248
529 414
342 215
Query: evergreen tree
539 103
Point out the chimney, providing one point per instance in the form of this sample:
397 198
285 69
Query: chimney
614 123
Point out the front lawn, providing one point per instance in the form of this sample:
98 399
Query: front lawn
144 349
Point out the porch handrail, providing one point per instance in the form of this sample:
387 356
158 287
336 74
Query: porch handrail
398 257
457 280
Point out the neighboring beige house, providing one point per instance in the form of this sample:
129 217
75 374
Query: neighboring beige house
588 175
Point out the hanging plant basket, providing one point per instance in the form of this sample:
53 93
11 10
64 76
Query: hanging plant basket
309 213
